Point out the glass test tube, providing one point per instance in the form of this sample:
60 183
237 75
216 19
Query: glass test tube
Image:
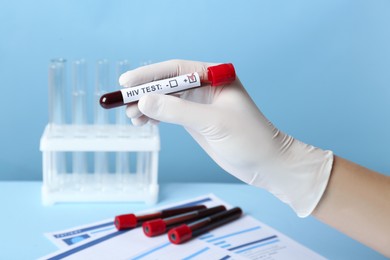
57 90
120 116
122 159
79 113
57 107
101 115
143 168
102 86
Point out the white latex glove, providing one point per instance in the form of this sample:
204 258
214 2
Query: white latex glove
231 129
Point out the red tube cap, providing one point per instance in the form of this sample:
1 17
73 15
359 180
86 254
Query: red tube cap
125 221
221 74
180 234
154 227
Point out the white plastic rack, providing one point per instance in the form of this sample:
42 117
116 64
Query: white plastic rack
99 162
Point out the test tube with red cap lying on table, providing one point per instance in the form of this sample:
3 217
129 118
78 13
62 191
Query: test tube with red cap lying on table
185 232
159 226
216 76
128 221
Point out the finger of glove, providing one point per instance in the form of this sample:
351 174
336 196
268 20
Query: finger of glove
132 111
162 70
140 121
175 110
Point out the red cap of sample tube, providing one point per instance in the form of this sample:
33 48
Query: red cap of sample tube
154 227
125 221
221 74
180 234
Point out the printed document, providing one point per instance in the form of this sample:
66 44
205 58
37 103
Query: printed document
245 238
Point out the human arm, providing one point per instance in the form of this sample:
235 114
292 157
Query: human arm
357 203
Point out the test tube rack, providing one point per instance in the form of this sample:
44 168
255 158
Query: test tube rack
98 162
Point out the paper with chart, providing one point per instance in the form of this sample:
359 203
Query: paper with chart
245 238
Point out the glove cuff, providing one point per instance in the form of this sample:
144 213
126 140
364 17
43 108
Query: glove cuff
299 178
317 169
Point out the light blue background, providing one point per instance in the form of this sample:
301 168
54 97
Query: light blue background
319 70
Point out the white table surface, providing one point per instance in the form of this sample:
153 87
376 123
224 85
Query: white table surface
24 219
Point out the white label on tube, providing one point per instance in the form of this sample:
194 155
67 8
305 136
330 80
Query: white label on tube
164 86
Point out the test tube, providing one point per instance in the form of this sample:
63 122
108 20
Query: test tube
102 87
57 90
79 113
217 75
57 107
185 232
122 159
120 116
101 116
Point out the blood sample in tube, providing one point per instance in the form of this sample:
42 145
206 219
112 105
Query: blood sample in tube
185 232
127 221
217 75
159 226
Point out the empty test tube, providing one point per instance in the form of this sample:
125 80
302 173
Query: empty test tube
102 87
57 91
101 115
57 107
120 116
122 159
79 112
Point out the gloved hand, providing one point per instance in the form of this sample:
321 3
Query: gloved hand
231 129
